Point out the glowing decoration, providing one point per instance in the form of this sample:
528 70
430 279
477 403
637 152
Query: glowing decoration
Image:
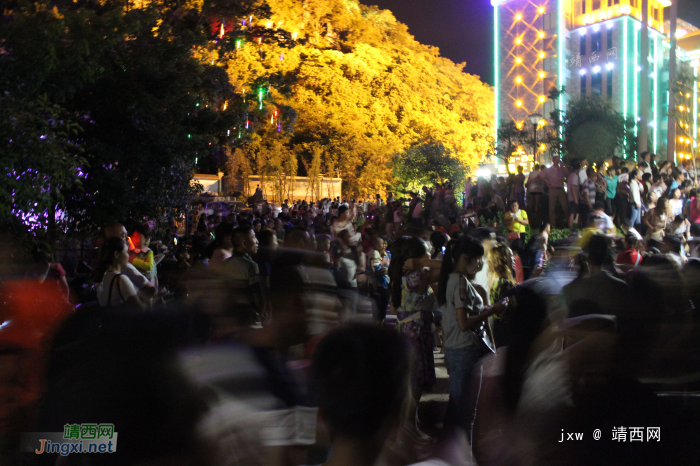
541 74
518 60
540 10
519 125
681 108
281 57
495 66
596 69
540 34
225 105
542 99
543 147
582 71
272 120
294 36
541 55
189 136
609 66
518 103
518 40
238 44
221 33
518 79
596 28
518 17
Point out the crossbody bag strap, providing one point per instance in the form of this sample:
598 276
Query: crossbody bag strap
111 285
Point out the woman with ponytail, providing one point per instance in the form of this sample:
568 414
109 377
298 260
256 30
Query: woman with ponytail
463 315
412 301
116 290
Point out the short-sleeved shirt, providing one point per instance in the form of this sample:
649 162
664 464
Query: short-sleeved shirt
554 176
460 294
122 290
515 226
604 223
612 186
572 186
588 186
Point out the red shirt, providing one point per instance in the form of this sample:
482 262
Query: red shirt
629 257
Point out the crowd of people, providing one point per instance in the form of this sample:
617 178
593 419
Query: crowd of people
308 334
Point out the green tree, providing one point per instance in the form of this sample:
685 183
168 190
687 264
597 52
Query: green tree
427 164
595 131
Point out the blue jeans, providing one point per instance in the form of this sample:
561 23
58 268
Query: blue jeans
460 364
636 214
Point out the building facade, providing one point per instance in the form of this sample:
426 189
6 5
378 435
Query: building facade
591 47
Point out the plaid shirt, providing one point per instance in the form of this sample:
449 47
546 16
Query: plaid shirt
601 184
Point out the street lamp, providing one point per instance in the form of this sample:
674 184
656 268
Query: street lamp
535 120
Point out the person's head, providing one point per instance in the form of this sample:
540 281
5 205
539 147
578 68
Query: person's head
644 156
598 207
624 170
672 244
677 175
323 243
631 241
223 236
646 177
653 197
297 238
402 250
343 213
643 165
114 254
360 378
662 205
556 160
257 225
520 169
675 193
344 238
575 165
267 239
141 236
514 206
115 230
379 243
612 171
438 239
244 240
465 256
597 250
500 262
590 172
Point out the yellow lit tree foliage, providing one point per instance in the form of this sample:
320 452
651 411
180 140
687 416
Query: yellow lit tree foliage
364 91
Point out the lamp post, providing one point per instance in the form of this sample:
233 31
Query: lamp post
535 120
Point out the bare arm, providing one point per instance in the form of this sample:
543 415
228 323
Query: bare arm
467 323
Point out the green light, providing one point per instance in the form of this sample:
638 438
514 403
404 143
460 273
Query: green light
624 68
560 57
495 67
197 104
196 160
636 76
189 136
656 92
695 108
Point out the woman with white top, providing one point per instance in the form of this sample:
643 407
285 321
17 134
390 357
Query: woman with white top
462 321
116 290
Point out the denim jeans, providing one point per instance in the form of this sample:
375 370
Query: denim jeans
635 214
460 364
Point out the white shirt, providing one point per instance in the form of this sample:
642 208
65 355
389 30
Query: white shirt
138 280
604 223
635 187
121 291
582 176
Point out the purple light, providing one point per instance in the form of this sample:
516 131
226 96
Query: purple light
43 136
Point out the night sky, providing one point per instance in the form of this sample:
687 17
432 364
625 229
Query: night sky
463 29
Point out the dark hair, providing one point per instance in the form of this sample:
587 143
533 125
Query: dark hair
238 234
597 249
438 239
342 209
110 246
455 248
142 229
575 164
360 377
403 249
646 176
511 202
631 240
633 174
599 205
222 230
624 170
265 237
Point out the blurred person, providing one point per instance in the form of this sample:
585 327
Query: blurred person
595 292
516 219
501 279
635 197
535 189
487 238
588 194
573 196
379 261
630 257
555 177
611 191
267 244
347 263
412 301
603 222
222 246
297 238
463 320
144 287
438 240
675 203
622 197
241 275
115 289
344 222
656 220
415 210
